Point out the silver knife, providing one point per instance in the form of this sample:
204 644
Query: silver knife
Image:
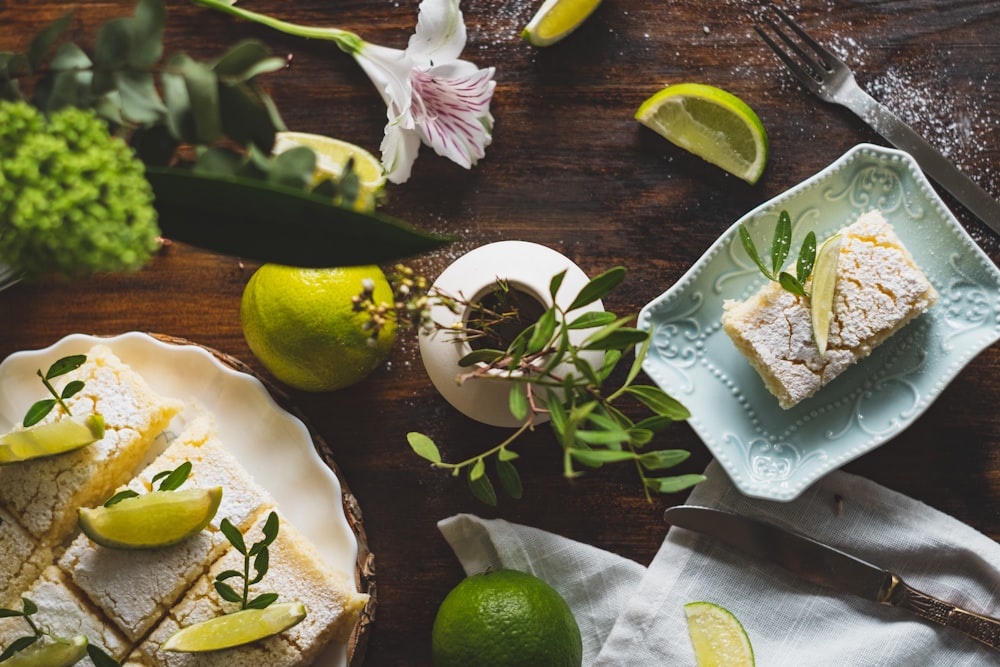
826 566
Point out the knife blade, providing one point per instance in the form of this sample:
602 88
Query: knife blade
827 566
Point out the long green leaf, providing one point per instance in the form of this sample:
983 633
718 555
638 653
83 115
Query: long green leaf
509 478
659 402
674 484
271 223
598 287
782 243
423 446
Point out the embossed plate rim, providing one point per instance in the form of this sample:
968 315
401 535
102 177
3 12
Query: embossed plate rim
771 453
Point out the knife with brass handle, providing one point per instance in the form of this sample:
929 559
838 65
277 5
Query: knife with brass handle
826 566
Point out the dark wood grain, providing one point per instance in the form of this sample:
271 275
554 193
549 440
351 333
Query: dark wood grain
569 168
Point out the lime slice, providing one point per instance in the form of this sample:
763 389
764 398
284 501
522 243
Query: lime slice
711 123
718 638
52 438
153 520
62 653
824 280
235 629
332 156
555 19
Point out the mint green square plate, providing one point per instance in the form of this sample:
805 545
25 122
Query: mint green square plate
773 453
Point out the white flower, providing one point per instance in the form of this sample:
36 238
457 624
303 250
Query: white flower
431 95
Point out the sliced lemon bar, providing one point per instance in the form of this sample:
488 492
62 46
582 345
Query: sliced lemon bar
297 573
44 494
879 289
63 613
135 588
22 559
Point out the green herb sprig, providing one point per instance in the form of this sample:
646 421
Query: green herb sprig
256 556
585 416
170 480
780 248
40 409
98 656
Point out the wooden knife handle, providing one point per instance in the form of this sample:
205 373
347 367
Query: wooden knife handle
979 627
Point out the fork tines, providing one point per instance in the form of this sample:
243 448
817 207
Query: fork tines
814 66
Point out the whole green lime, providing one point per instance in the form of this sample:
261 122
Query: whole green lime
505 618
301 324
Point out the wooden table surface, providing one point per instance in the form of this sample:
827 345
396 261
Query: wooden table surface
569 168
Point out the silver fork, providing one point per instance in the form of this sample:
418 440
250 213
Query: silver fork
829 78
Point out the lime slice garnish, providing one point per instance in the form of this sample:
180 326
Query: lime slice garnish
52 438
235 629
156 519
824 280
718 638
711 123
332 156
555 19
62 653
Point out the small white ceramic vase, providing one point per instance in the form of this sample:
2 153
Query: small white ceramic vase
527 267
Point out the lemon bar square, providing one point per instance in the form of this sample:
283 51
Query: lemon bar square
135 588
879 289
44 494
65 614
297 573
22 559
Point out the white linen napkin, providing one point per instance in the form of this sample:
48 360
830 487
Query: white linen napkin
632 616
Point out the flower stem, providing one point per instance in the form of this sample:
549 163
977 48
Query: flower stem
348 42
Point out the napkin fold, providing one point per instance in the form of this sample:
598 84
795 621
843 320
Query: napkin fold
632 616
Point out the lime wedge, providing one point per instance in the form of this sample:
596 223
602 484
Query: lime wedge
153 520
62 653
718 638
711 123
824 280
331 160
235 629
49 439
555 19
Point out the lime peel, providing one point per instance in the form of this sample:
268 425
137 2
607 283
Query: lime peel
711 123
556 19
51 438
717 636
235 629
824 282
153 520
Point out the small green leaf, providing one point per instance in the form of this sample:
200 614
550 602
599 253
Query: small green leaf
147 27
270 529
10 613
656 423
482 488
100 657
598 457
120 496
140 100
262 601
113 45
65 365
543 331
261 564
176 477
293 168
608 365
592 319
38 412
485 356
556 283
29 607
640 356
44 40
807 256
69 57
228 574
791 284
506 454
602 437
663 458
245 60
71 389
620 338
227 593
598 287
18 645
510 480
423 446
517 402
659 402
673 484
478 470
782 243
234 536
751 250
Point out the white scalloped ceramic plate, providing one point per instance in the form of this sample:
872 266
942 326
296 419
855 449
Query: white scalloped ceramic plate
274 446
773 453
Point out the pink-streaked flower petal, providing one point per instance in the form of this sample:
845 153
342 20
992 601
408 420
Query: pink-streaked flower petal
399 150
453 115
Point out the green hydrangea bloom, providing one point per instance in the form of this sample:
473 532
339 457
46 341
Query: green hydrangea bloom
73 199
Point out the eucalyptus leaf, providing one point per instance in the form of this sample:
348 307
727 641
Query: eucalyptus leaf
424 447
43 42
245 60
147 27
69 57
114 45
246 115
598 287
293 168
140 100
203 99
